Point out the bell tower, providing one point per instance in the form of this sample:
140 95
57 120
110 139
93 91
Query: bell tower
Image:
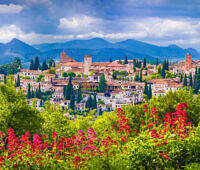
188 62
87 64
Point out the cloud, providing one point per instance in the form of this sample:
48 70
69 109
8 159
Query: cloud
79 23
10 9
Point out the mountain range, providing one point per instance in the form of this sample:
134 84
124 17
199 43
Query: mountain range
100 49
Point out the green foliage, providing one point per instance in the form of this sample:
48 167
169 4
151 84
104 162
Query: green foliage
16 113
144 62
71 74
44 66
40 78
64 74
102 84
79 97
68 89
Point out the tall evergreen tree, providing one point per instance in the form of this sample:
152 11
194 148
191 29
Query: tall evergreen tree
39 92
110 60
157 62
146 89
94 102
31 67
32 94
29 91
126 60
5 79
36 63
72 100
68 89
102 84
140 76
79 97
41 103
89 102
144 62
18 81
159 70
149 92
136 77
163 72
181 78
44 65
191 82
185 81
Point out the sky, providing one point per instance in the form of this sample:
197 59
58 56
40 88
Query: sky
160 22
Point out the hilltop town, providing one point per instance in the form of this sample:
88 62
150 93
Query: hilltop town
101 85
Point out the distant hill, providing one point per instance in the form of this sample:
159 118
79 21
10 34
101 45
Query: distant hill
100 49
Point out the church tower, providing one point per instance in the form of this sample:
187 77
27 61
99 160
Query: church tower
188 62
87 64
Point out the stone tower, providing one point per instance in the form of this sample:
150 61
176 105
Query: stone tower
65 59
188 62
87 64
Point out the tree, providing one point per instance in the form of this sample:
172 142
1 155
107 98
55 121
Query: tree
64 74
136 77
163 72
31 67
185 81
102 84
140 76
157 62
39 92
79 97
144 62
146 89
36 63
72 100
71 74
89 102
110 60
94 102
149 92
68 89
181 78
44 65
126 60
18 81
159 70
51 63
5 79
16 113
120 61
32 94
29 91
191 82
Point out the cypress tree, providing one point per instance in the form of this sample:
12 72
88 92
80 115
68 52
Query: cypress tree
136 77
79 97
40 102
94 102
181 79
191 82
157 62
146 89
36 93
36 63
163 72
5 79
140 76
72 100
159 70
29 91
149 92
18 81
39 92
89 103
44 65
69 89
110 60
32 94
126 60
102 84
185 81
144 62
31 67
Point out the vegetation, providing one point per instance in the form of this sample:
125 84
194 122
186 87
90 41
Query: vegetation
160 134
102 84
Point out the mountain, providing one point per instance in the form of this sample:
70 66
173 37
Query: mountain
100 49
94 43
16 48
171 52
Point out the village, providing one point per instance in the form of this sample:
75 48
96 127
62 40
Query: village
126 82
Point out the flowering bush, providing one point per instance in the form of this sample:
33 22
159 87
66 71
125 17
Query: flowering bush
171 142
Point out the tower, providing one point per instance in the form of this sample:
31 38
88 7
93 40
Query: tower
188 62
87 64
65 59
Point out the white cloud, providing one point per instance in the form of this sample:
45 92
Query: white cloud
79 23
10 9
